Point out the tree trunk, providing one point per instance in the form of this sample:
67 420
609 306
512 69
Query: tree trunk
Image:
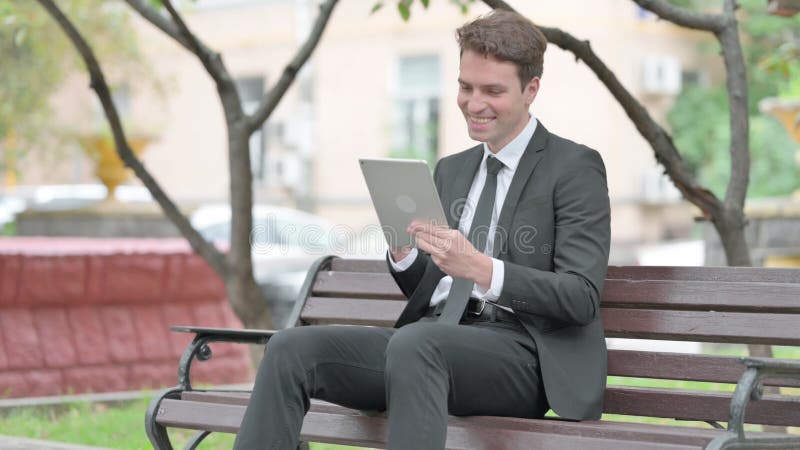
731 226
244 295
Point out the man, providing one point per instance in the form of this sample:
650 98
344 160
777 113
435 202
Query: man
503 311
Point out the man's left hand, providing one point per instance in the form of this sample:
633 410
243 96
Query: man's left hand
452 252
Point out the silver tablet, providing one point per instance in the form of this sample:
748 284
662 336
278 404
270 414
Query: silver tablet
402 190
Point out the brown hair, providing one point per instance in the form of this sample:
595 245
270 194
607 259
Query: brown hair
506 36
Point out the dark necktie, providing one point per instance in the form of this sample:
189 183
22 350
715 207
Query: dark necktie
461 289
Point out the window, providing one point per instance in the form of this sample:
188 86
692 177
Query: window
251 90
416 109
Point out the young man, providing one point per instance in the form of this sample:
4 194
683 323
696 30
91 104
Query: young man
503 311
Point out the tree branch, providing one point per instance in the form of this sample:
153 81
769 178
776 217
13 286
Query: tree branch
740 117
98 83
159 21
271 99
684 17
665 151
210 60
725 28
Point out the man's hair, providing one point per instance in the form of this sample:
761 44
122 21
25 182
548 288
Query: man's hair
506 36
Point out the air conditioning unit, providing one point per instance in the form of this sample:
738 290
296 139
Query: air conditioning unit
661 75
658 188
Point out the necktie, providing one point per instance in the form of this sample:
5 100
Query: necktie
478 234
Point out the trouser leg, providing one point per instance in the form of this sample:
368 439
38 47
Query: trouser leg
433 369
340 364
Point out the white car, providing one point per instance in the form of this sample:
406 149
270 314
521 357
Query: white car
286 240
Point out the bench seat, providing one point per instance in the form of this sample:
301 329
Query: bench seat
700 304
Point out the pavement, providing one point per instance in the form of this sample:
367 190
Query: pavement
17 443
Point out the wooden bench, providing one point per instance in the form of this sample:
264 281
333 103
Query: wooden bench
702 304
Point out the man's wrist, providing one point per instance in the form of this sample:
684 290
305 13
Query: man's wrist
482 271
399 254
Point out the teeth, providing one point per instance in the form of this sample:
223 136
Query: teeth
480 119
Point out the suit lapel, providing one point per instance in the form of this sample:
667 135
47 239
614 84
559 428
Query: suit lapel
530 159
457 194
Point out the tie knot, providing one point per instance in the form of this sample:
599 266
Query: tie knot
493 165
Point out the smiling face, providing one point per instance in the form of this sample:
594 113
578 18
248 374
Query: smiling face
492 100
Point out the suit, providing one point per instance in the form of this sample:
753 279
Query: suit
553 235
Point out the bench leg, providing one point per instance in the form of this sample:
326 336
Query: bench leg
156 433
196 440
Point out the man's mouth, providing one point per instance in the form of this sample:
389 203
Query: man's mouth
480 120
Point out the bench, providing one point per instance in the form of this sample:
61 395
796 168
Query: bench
700 304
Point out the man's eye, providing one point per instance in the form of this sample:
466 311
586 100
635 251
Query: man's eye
495 93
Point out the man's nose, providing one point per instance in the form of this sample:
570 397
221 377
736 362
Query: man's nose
475 104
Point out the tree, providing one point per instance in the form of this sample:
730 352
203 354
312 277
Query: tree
35 61
699 117
236 267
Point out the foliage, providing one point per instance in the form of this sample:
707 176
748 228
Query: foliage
36 58
699 118
404 6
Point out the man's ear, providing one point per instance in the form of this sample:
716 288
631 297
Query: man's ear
530 90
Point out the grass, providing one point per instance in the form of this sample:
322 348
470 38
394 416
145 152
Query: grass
118 426
8 229
121 426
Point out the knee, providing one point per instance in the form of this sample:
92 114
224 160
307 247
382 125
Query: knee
413 344
287 349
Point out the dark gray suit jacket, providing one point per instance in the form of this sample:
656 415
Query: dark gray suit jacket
553 236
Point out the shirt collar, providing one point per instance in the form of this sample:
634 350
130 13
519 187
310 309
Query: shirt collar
512 152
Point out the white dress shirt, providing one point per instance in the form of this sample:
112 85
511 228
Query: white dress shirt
509 156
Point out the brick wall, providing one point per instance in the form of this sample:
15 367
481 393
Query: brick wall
93 315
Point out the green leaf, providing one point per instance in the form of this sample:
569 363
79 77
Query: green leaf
19 37
404 10
426 3
376 7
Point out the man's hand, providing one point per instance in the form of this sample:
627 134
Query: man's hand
452 252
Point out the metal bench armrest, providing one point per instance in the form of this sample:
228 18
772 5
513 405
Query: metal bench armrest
203 336
750 388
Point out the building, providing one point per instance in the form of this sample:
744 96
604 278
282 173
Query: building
379 86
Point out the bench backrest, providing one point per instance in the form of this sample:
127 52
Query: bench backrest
698 304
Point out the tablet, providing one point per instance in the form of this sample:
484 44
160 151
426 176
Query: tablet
402 190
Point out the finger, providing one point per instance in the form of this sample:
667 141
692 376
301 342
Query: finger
418 226
424 244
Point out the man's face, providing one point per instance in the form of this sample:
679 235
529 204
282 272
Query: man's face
493 103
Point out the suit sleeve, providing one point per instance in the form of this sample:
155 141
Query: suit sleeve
571 293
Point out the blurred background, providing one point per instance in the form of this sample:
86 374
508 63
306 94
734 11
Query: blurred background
378 86
86 253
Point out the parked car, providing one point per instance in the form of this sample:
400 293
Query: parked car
285 242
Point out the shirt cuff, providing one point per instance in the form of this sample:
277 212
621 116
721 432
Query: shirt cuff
404 263
496 286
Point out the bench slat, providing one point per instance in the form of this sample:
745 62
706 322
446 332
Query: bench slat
334 424
703 295
698 405
683 295
742 328
680 366
359 265
735 274
739 274
358 285
351 311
